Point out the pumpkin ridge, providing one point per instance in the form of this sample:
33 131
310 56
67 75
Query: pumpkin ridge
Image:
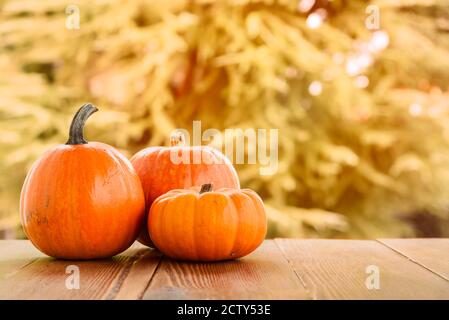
257 204
204 232
188 202
244 199
166 226
156 212
194 242
176 217
213 220
235 215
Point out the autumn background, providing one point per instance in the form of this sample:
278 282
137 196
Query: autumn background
362 113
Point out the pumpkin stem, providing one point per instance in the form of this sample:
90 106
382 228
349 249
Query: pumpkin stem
177 139
207 187
76 128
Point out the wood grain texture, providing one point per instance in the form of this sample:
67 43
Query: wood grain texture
45 278
134 279
264 274
432 254
15 254
337 269
280 269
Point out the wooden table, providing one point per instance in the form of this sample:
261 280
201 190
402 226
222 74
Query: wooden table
279 269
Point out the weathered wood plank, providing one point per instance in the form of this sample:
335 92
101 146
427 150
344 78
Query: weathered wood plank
45 278
432 254
339 269
264 274
134 280
284 269
15 254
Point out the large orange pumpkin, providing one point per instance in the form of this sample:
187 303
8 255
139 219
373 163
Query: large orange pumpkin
160 174
82 200
207 225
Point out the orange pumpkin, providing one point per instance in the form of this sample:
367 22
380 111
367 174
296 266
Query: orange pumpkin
207 225
82 200
160 174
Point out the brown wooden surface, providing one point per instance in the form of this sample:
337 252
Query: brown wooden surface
262 275
337 269
423 252
279 269
45 278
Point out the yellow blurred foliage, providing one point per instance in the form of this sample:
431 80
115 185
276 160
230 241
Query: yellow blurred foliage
355 158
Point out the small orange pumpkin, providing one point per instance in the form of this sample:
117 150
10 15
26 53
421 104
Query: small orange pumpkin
82 200
159 174
207 225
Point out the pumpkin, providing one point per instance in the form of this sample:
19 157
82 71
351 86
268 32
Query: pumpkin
207 225
160 174
82 200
